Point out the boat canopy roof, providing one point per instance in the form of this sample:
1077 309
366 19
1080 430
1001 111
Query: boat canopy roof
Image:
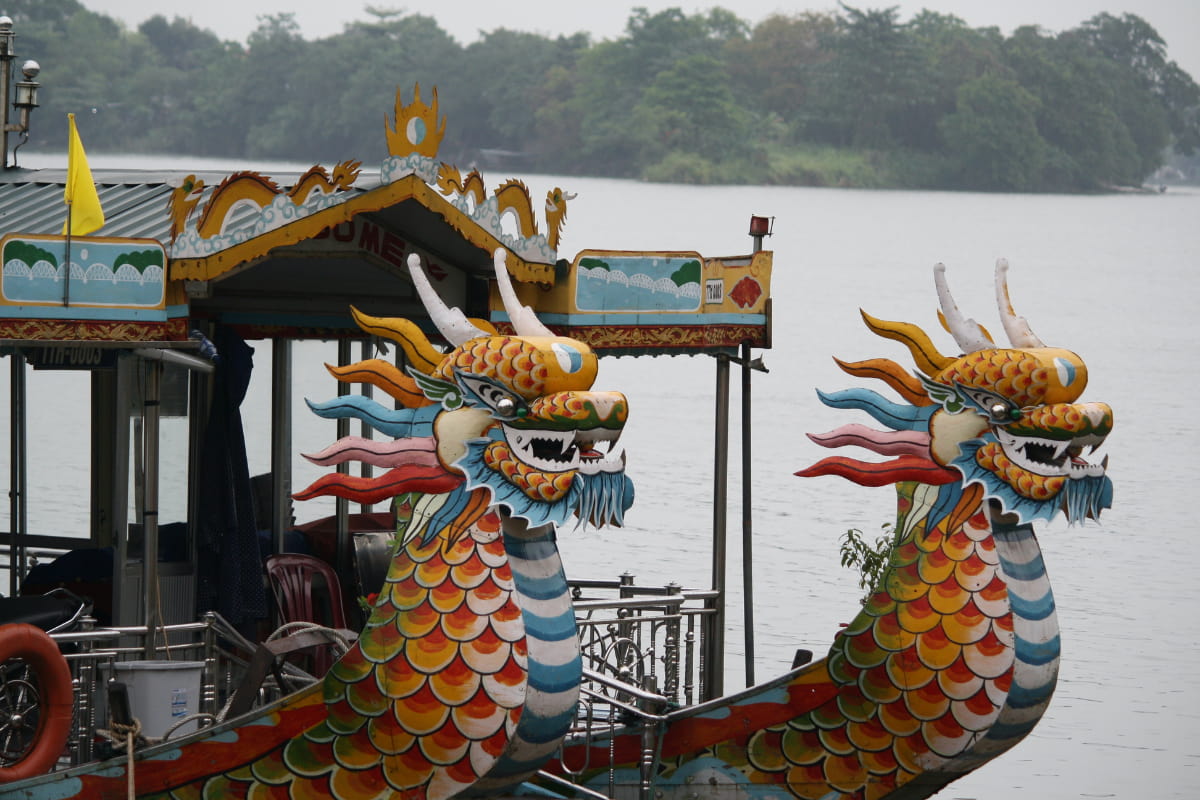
288 255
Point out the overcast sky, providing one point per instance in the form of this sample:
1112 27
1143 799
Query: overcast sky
1177 21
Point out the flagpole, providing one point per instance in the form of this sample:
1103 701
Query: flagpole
67 283
80 188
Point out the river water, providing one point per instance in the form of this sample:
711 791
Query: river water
1110 277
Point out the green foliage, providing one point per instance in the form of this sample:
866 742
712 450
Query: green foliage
869 558
773 70
140 259
680 167
824 165
689 108
855 97
27 253
993 135
690 272
868 81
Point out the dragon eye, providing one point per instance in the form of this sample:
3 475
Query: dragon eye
509 408
1002 412
492 396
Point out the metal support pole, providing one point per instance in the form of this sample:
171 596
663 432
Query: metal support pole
6 59
150 418
714 666
281 441
747 519
18 459
365 430
341 504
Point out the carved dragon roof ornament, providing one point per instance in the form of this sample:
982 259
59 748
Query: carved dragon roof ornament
413 139
414 136
195 235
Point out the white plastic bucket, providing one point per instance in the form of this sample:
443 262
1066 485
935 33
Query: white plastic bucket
161 693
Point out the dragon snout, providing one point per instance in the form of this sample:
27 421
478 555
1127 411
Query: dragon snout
611 408
1053 440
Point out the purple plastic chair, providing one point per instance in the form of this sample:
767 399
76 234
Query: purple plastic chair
296 581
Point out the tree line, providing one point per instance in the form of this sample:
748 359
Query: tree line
855 97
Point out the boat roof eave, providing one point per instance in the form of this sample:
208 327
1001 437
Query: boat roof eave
378 200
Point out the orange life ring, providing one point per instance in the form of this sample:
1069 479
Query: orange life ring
55 703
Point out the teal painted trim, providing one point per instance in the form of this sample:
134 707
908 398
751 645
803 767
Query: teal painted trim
84 313
643 319
175 312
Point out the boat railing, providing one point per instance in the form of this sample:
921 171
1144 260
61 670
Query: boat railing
18 555
645 636
608 706
640 647
93 653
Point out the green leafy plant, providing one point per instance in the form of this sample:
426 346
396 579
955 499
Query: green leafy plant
869 558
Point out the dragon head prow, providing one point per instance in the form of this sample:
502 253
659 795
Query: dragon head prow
514 416
1006 419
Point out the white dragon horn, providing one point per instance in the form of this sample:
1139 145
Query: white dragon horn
967 332
523 320
1019 333
566 196
450 322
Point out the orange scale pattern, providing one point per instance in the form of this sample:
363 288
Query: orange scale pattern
456 684
855 704
936 567
469 573
973 573
768 748
976 713
906 672
801 747
425 702
543 487
890 635
517 363
948 597
988 658
385 639
1015 374
924 668
1027 484
958 682
405 594
388 736
487 597
356 751
270 770
446 598
997 689
993 599
967 625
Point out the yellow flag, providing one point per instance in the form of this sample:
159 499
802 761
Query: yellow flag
84 213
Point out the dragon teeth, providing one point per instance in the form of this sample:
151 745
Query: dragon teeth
567 447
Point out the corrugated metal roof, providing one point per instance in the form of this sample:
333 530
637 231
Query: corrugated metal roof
135 202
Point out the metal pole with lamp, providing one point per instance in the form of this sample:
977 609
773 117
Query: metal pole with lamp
759 227
23 94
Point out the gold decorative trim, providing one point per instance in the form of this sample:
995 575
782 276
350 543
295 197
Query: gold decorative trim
53 330
407 188
680 338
